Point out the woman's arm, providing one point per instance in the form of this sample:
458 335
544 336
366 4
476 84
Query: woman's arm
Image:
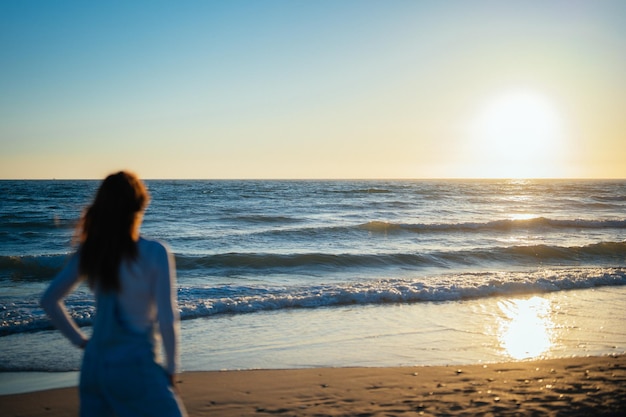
167 308
52 302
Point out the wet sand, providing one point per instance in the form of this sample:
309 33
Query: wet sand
565 387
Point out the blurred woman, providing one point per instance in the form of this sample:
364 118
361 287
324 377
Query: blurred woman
134 280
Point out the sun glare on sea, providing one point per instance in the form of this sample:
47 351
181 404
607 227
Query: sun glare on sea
525 327
517 134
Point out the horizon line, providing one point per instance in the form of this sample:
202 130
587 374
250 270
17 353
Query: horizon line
338 179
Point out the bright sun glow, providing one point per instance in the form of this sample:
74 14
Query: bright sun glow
525 329
517 134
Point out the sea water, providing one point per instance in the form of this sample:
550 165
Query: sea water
284 274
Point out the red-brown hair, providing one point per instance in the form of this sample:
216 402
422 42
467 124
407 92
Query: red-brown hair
107 229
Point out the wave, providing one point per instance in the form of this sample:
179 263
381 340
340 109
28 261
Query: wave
44 267
25 227
195 302
31 267
16 223
538 224
495 225
198 302
596 253
25 315
261 219
611 198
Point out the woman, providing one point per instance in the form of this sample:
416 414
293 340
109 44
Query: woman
134 283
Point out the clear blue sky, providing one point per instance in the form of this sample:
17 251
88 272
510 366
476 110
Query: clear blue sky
312 89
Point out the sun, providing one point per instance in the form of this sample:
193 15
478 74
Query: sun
517 133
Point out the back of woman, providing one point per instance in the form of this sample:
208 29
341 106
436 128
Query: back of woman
134 282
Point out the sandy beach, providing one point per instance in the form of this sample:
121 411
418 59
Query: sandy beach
564 387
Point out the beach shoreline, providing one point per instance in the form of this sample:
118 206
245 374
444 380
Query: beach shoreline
567 386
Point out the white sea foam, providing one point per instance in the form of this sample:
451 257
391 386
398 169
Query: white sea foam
24 315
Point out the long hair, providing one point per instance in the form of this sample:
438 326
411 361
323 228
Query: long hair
108 227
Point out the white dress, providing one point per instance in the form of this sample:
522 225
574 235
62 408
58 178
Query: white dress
147 298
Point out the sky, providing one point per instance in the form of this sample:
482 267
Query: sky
313 89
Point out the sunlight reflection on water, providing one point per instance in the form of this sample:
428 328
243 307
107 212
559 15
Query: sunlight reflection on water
525 329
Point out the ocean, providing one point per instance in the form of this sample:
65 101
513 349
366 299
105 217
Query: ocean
286 274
